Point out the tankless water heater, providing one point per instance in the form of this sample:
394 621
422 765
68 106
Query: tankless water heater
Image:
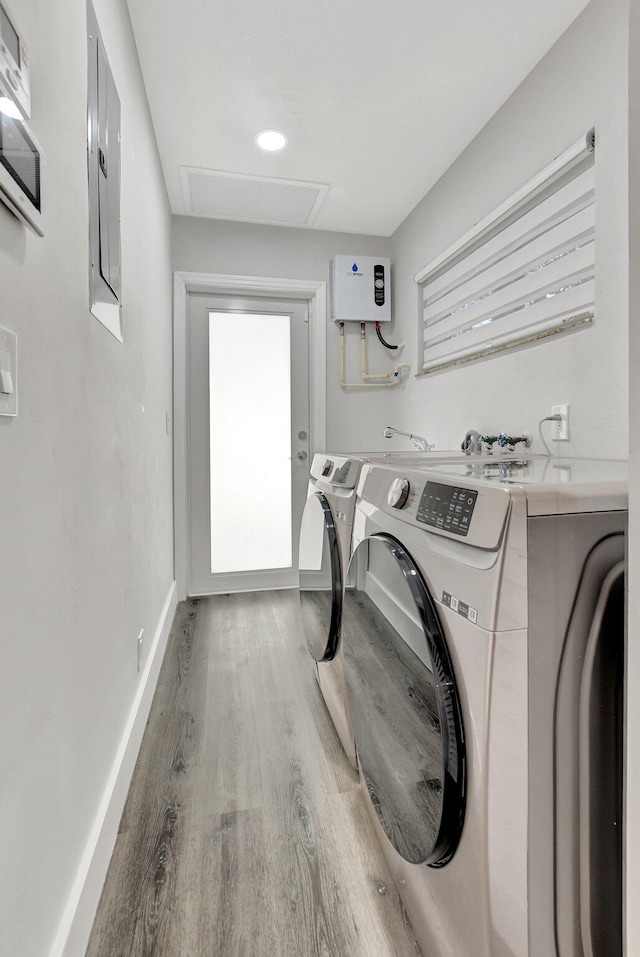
361 289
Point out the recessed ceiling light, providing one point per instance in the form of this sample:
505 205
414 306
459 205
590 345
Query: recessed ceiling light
271 140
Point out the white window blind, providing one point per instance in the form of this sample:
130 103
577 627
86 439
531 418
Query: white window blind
524 273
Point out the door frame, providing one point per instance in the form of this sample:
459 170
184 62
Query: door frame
184 283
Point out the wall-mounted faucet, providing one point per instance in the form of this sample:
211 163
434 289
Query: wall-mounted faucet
417 440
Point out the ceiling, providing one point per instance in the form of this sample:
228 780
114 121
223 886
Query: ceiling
377 99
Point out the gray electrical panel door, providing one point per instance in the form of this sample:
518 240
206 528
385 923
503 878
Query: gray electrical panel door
103 150
108 173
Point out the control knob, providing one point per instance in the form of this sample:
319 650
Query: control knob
398 493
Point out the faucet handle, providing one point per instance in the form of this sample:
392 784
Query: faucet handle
510 441
472 442
524 439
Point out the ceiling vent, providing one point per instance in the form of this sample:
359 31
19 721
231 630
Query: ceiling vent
250 199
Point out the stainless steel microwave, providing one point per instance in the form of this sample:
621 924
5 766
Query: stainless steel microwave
21 164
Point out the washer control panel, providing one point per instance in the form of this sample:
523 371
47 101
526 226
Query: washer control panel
447 507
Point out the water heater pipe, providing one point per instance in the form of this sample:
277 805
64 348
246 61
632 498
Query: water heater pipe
392 378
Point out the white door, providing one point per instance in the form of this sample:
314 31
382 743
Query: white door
248 441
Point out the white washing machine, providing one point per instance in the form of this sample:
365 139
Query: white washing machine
325 550
483 655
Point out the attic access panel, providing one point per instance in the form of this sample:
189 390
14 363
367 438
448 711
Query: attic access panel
240 197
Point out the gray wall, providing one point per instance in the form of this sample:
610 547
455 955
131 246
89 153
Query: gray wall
85 476
581 83
201 245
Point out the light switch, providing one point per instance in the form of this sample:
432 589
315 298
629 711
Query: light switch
6 382
8 372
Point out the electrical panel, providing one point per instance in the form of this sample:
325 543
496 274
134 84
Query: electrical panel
103 116
361 289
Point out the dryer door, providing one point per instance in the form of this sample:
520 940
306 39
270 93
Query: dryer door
403 702
320 578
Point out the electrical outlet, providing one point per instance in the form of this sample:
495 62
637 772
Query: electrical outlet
139 649
561 427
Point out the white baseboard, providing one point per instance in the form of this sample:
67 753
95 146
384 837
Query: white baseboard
77 919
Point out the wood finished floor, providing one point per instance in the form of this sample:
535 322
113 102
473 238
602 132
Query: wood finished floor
245 833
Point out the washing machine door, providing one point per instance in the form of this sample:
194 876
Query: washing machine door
403 703
320 586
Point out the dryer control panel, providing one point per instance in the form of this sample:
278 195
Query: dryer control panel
447 507
474 513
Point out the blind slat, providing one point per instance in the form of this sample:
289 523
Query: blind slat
543 331
572 232
524 321
574 196
530 286
528 276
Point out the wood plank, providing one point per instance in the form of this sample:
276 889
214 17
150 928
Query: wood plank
280 668
244 835
344 776
159 800
228 774
379 922
330 901
171 735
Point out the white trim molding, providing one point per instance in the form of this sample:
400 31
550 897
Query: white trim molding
315 293
77 918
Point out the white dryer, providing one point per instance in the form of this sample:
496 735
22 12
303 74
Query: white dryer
483 642
325 550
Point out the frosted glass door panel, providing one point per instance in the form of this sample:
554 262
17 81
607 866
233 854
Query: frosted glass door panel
250 441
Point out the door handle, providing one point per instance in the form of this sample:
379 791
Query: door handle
302 455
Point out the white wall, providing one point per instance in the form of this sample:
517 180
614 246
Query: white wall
201 245
85 478
582 82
